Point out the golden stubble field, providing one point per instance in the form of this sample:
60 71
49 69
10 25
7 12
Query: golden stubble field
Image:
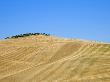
51 59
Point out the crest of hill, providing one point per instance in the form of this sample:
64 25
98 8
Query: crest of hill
35 40
44 38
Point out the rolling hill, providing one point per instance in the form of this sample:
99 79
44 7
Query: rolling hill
51 59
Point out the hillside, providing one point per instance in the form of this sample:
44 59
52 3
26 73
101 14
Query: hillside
51 59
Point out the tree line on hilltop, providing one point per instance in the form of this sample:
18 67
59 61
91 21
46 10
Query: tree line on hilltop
27 34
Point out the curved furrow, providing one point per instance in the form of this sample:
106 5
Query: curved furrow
32 56
74 71
22 52
60 73
82 49
66 50
42 55
77 54
14 54
86 63
16 67
48 73
83 64
25 53
8 50
28 72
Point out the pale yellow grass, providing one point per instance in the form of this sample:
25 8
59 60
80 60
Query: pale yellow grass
52 59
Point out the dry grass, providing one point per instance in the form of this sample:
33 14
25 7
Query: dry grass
51 59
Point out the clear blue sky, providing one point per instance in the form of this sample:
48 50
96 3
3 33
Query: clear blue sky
84 19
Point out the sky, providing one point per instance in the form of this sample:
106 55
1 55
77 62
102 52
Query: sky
83 19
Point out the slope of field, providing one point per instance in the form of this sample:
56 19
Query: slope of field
52 59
